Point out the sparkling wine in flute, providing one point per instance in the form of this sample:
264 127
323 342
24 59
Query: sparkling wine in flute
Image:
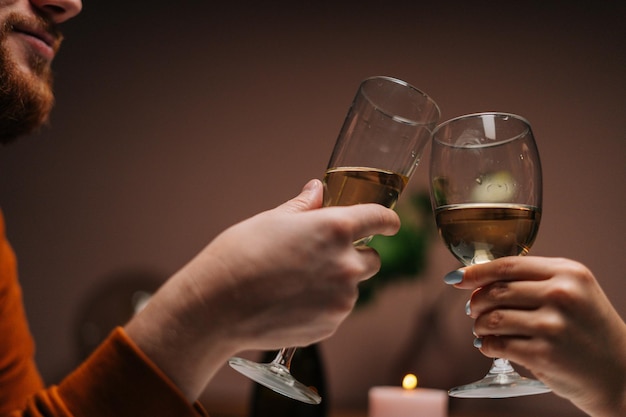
477 233
378 148
357 185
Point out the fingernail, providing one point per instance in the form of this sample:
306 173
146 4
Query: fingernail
468 309
310 186
454 277
478 342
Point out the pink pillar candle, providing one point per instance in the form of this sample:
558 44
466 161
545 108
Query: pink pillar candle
400 402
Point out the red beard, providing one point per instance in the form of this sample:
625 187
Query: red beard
26 99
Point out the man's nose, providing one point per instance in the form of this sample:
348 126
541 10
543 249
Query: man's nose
58 10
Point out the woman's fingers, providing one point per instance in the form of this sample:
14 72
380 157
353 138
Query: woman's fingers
544 323
512 268
524 295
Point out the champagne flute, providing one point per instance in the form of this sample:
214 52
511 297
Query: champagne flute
376 152
486 192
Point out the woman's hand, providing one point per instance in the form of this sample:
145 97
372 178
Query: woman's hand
551 316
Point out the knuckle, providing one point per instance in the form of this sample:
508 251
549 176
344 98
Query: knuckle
497 290
349 269
564 293
494 320
488 324
505 266
550 325
575 270
339 230
581 272
358 264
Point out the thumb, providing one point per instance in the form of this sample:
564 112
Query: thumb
309 198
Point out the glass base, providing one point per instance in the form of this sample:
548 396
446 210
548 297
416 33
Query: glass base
502 385
277 378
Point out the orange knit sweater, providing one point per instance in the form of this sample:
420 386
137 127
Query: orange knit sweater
116 380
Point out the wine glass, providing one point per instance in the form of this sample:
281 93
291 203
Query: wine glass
486 192
376 152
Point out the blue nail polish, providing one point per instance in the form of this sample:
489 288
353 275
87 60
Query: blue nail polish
478 342
468 309
454 277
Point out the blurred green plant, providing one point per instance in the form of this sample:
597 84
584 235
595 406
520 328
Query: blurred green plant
404 255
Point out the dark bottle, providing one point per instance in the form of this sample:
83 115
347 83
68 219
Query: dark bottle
306 367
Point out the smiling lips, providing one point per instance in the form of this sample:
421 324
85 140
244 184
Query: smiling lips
43 42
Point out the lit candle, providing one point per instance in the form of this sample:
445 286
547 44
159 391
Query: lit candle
407 401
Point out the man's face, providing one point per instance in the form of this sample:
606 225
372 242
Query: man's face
28 43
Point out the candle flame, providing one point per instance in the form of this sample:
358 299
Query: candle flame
409 381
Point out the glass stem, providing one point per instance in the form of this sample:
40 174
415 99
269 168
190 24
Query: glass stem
283 358
501 366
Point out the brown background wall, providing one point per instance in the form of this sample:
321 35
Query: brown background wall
177 119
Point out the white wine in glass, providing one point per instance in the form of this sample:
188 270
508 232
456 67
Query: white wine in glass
486 192
376 152
476 232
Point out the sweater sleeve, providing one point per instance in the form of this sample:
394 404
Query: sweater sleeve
118 379
19 377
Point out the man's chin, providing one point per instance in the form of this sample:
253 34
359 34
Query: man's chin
21 118
25 103
26 97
